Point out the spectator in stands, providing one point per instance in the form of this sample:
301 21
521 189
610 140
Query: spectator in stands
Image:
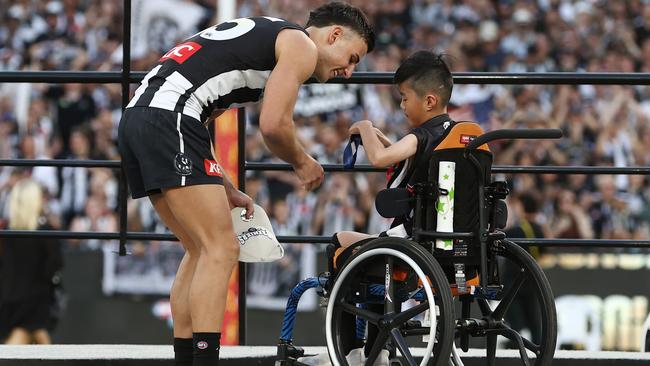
75 181
337 209
96 217
29 270
609 213
570 220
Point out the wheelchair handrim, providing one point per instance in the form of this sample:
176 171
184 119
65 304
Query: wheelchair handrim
344 273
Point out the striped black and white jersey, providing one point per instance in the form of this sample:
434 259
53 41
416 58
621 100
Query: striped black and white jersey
409 172
415 169
219 67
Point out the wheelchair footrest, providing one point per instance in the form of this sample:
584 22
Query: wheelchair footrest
288 353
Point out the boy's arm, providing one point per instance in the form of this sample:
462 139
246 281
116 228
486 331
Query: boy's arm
384 140
380 155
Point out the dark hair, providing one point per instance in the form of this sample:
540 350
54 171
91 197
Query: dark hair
338 13
427 72
529 203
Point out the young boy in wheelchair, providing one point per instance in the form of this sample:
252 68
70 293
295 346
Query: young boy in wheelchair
425 84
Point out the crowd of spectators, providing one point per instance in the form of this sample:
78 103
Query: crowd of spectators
604 125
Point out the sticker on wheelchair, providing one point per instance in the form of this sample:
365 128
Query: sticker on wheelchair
445 203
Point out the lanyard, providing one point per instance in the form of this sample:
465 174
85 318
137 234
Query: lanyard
350 152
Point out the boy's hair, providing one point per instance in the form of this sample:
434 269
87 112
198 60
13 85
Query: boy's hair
338 13
426 72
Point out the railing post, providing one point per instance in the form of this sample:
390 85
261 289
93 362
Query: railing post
241 182
126 71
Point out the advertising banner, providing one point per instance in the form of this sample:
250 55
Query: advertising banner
601 299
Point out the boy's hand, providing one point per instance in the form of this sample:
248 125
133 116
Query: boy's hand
384 140
356 127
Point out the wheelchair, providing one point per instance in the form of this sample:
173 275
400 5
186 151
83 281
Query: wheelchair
418 298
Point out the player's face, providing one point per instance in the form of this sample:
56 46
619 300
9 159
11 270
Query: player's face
413 105
344 50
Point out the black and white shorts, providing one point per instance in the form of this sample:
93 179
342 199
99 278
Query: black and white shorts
163 149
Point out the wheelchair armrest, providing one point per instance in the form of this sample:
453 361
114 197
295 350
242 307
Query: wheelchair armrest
393 202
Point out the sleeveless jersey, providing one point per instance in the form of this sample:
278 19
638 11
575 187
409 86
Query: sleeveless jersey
414 170
219 67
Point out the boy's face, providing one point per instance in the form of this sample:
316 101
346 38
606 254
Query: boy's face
415 107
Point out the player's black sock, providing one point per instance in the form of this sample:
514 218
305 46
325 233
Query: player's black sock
183 351
206 349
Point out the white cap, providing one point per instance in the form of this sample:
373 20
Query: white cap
255 235
488 31
522 15
53 7
583 7
16 12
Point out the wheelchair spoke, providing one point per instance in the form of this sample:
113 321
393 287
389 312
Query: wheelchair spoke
403 346
404 316
415 292
491 349
485 307
513 335
509 296
380 341
530 345
367 315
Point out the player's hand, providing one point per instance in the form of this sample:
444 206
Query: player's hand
310 173
237 198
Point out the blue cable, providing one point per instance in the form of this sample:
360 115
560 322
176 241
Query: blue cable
286 334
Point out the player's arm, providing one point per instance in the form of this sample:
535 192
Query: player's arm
236 198
296 60
380 155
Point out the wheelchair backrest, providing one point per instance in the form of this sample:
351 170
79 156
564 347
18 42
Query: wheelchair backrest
449 162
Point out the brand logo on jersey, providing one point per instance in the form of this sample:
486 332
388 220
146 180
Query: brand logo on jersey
212 168
181 52
466 139
183 164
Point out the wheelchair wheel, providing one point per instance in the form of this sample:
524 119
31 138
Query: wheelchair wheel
374 285
526 293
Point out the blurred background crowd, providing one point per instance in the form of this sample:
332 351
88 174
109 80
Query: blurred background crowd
603 125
